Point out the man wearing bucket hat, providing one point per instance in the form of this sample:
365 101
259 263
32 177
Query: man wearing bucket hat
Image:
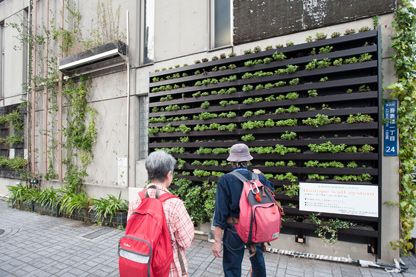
227 212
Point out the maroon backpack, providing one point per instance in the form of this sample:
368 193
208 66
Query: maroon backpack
260 214
146 248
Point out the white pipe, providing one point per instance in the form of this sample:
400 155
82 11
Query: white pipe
28 82
128 100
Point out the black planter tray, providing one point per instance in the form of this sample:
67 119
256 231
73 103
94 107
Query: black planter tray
297 157
288 88
239 119
369 35
279 64
294 211
352 231
298 142
271 130
318 170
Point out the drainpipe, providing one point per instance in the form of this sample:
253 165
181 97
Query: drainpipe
28 82
45 95
60 171
128 100
33 88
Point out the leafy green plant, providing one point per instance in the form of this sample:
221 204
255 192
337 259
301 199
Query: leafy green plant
321 119
320 36
327 147
248 137
288 135
279 56
312 93
329 227
325 50
349 32
359 118
294 82
335 34
109 207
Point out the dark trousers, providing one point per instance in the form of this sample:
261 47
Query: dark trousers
233 255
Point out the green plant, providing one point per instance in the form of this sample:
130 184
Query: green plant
338 62
248 137
327 147
294 82
320 36
109 207
352 164
317 177
329 227
323 79
312 93
349 32
288 135
205 105
321 119
364 29
309 39
279 56
335 34
311 65
359 118
291 68
326 49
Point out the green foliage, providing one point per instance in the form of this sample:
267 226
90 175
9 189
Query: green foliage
329 227
80 132
288 135
248 137
279 56
321 119
327 147
359 118
194 197
109 207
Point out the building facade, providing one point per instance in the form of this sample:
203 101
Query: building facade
149 43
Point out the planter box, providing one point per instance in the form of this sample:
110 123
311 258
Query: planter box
100 53
120 219
28 205
47 210
81 215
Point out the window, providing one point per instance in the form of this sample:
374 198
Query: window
220 23
148 31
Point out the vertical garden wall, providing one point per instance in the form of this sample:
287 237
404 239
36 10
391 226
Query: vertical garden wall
308 112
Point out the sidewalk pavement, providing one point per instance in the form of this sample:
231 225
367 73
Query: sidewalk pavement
40 245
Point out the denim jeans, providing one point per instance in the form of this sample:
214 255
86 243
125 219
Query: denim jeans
233 255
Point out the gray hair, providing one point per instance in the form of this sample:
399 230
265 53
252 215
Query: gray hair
158 165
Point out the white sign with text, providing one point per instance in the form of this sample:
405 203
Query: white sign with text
360 200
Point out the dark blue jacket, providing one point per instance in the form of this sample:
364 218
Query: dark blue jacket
227 200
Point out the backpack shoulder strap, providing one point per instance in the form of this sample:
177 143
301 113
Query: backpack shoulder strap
167 195
239 176
254 176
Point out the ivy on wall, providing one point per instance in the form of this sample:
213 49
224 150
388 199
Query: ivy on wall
405 91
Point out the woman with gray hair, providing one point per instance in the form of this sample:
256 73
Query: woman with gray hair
160 167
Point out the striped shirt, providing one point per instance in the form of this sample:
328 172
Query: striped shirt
181 228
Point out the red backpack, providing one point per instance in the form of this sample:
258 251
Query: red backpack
146 248
260 214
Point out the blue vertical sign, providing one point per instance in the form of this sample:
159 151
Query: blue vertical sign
390 128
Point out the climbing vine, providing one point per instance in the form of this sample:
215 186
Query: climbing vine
80 136
405 91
